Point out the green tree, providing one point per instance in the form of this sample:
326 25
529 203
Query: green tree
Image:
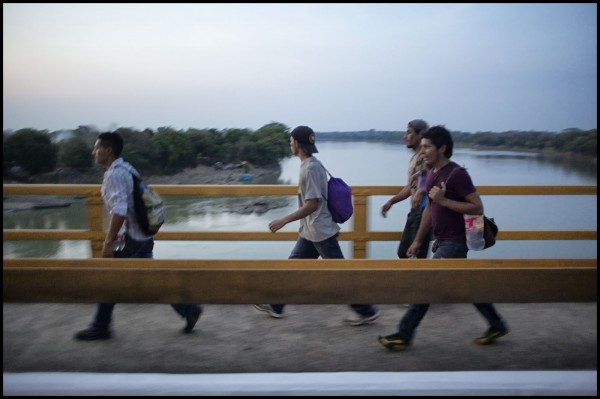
272 143
207 145
75 152
141 150
175 150
30 149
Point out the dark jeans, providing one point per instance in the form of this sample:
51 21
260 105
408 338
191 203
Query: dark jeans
415 313
134 249
413 219
327 249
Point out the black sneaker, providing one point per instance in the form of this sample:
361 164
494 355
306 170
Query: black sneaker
90 334
490 336
191 321
393 342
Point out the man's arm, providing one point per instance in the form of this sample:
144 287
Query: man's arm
309 207
114 225
401 196
472 206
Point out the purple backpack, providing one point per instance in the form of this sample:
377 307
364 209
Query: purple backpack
339 199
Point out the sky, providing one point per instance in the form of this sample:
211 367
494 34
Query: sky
334 67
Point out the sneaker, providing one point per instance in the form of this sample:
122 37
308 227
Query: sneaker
90 334
393 342
191 320
269 309
490 336
359 320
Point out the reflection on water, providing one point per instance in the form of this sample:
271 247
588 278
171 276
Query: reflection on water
385 164
181 209
67 218
574 164
47 249
371 164
71 217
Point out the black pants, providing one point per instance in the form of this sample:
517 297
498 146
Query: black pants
413 220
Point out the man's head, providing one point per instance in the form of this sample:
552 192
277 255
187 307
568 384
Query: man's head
414 132
305 137
437 141
107 148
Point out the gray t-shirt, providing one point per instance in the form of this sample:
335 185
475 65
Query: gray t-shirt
319 225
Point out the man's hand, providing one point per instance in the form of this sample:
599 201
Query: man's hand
276 225
413 249
385 208
438 194
107 250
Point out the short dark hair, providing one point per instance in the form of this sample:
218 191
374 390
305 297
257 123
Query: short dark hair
440 136
112 140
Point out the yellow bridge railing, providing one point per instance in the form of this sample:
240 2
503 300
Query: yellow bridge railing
291 281
359 236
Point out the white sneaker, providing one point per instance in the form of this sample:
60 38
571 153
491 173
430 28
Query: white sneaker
359 320
269 310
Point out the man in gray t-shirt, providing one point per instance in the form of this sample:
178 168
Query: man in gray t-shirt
318 232
318 225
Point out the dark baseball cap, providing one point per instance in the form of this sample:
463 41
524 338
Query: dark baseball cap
306 137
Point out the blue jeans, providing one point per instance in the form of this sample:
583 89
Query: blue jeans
415 313
327 249
134 249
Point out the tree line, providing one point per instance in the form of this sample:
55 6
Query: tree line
168 151
164 151
572 141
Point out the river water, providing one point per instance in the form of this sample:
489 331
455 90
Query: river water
358 163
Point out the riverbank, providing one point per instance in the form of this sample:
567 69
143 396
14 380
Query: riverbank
209 175
199 175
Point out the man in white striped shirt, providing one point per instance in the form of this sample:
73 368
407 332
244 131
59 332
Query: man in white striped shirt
123 228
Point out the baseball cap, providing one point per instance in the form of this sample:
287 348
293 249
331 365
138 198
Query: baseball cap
306 137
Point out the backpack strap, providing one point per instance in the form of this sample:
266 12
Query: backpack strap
330 176
452 173
131 170
446 175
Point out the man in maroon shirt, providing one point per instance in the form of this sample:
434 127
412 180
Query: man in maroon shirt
451 195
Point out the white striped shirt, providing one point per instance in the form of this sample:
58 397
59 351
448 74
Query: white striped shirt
117 193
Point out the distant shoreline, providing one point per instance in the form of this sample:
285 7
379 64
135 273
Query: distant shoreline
199 175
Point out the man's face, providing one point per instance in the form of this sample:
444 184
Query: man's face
294 146
100 153
411 138
430 153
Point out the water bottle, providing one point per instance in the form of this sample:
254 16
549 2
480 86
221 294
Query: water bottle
119 243
474 232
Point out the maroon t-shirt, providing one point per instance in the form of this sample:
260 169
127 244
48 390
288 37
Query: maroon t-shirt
447 224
